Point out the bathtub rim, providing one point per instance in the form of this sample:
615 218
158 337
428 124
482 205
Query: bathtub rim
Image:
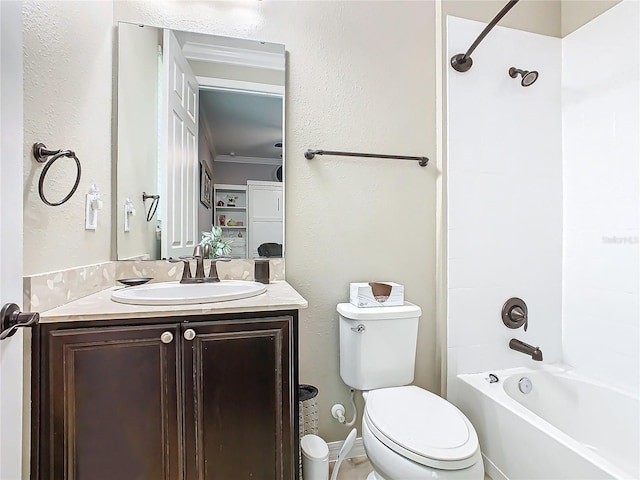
496 392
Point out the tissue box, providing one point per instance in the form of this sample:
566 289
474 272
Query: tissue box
376 294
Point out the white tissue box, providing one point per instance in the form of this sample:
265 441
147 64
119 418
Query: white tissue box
376 294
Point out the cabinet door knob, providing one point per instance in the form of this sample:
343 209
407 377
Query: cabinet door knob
189 334
166 337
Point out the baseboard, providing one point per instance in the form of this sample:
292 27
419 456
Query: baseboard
491 470
356 451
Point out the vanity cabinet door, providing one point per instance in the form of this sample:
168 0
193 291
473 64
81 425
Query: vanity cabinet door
239 411
110 404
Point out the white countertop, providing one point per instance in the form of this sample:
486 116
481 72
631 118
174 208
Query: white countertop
99 306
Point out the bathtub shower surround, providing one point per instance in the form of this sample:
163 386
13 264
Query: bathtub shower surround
561 420
504 199
600 98
544 203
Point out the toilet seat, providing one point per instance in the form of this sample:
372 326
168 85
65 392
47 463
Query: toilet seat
422 427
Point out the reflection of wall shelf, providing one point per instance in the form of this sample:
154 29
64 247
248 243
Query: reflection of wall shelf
237 212
233 208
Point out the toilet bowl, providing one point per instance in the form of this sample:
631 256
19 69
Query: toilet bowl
410 433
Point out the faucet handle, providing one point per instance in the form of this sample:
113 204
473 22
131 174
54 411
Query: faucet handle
518 315
213 269
186 270
515 313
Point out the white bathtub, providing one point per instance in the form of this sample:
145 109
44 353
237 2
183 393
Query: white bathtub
567 427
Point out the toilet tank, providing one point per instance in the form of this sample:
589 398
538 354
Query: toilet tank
378 345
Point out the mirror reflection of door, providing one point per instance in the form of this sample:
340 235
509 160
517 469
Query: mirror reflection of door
238 138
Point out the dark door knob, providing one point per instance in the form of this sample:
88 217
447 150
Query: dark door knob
11 318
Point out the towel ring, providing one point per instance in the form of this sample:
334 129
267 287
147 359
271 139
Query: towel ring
49 157
155 199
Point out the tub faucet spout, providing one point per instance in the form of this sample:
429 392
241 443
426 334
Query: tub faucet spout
519 346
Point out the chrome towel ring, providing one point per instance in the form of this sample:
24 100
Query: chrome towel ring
48 157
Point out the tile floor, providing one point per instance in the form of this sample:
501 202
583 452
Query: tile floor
358 468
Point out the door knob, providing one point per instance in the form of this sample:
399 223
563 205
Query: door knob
189 334
11 318
166 337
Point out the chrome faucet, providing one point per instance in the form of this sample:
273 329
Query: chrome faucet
519 346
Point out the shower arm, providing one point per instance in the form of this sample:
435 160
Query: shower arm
462 62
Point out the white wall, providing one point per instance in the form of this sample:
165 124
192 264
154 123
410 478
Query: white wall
14 367
600 99
239 173
504 198
137 138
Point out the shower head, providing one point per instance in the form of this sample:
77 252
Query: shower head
528 77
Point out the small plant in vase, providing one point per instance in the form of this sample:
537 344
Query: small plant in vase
219 246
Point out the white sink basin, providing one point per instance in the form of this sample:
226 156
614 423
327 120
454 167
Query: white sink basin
176 293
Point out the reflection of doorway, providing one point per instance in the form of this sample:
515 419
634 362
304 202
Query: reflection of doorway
241 136
243 133
239 122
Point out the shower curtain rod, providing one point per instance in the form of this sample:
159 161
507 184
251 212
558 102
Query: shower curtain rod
462 62
309 154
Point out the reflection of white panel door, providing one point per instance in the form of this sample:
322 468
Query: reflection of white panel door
11 349
180 155
265 209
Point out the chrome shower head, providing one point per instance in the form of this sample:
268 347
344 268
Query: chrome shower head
528 77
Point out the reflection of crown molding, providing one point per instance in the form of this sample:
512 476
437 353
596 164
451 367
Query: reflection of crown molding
234 56
253 160
241 86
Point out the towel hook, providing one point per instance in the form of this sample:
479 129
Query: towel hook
49 157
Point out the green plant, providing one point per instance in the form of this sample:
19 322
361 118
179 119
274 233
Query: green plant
219 246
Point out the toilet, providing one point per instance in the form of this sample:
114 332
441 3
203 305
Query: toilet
408 432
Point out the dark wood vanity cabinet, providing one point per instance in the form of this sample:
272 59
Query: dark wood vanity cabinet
192 398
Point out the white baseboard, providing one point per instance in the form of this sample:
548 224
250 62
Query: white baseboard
490 470
356 451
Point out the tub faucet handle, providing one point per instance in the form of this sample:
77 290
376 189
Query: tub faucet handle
518 315
515 313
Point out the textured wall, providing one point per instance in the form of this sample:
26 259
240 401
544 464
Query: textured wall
600 101
538 16
360 77
67 104
576 14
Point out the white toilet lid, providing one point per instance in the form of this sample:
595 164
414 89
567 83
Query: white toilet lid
422 427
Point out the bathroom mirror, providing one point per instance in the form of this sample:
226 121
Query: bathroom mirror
199 134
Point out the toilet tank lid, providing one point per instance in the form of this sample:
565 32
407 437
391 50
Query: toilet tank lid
408 310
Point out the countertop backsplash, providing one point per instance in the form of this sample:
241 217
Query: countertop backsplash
45 291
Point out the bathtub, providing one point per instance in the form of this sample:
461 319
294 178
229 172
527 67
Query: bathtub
567 427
